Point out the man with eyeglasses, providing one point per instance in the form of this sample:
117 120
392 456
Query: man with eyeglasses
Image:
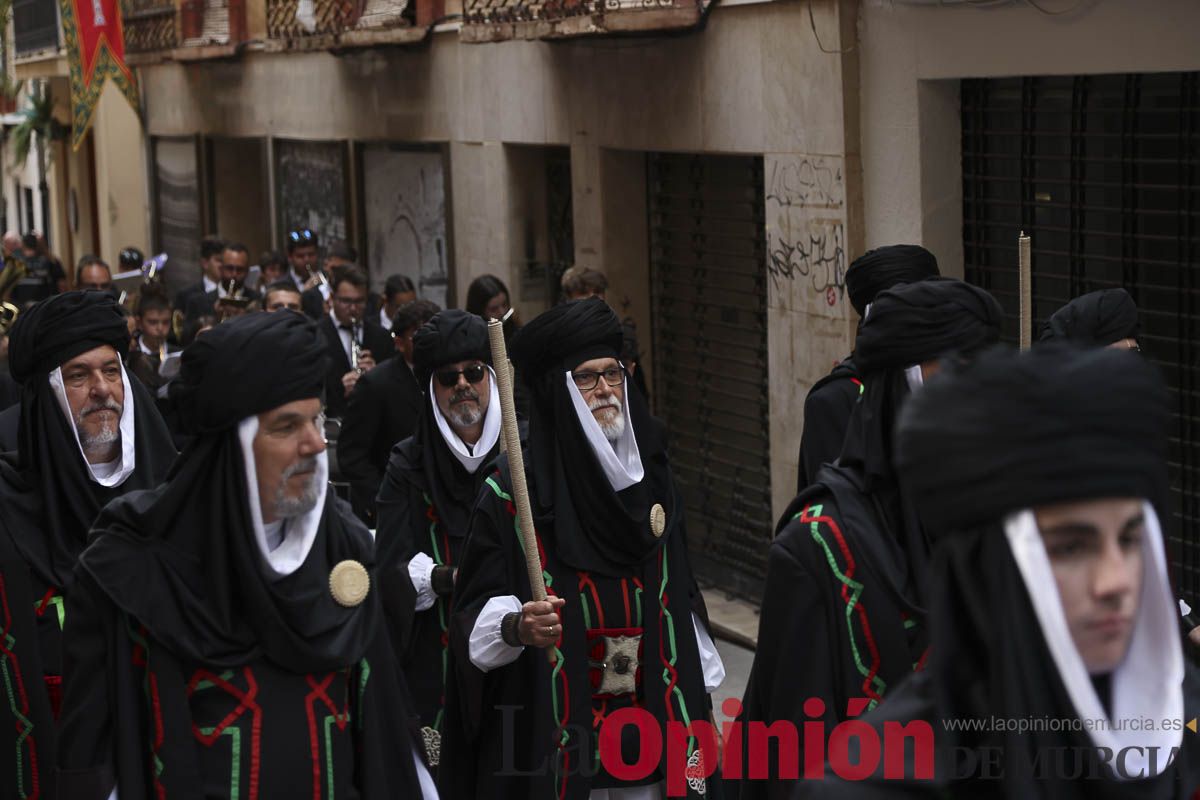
382 410
621 628
246 597
231 297
354 342
425 502
88 433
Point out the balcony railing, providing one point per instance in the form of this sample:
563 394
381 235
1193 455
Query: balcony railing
149 25
499 20
306 24
35 26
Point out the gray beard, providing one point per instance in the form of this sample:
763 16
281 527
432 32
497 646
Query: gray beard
613 431
102 442
464 416
288 507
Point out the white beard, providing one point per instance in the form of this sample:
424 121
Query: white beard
615 428
288 507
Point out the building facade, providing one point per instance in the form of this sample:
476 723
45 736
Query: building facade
722 163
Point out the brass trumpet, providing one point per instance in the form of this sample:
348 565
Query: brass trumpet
8 317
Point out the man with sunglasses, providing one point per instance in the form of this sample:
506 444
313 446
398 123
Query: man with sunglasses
622 622
432 480
382 410
354 342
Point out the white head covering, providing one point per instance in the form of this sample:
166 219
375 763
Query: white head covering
285 546
114 472
621 460
1148 683
471 457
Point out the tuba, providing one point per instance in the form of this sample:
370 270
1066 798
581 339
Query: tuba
12 273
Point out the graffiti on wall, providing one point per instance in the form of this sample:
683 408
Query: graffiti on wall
806 231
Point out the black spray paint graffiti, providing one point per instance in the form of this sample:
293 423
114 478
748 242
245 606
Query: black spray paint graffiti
805 182
822 259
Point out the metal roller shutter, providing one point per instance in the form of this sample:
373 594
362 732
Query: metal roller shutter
708 273
1102 172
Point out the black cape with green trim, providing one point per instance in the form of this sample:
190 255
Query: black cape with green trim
500 738
424 506
838 622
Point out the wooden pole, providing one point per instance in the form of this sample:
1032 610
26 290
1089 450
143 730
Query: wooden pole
516 460
1025 286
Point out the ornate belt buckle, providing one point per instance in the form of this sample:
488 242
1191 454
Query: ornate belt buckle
614 661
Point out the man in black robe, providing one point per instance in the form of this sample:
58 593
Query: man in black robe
842 611
383 409
1050 599
88 432
534 682
426 498
1104 318
831 400
230 638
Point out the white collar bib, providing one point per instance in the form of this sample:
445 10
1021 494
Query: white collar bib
112 473
621 460
471 458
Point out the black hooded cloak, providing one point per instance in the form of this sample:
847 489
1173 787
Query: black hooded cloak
831 400
49 501
529 729
1096 319
1049 426
842 612
424 507
194 673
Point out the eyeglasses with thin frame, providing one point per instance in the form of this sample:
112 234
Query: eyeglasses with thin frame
587 380
449 377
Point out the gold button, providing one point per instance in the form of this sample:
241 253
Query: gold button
349 583
658 520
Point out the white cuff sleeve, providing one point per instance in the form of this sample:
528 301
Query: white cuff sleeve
420 568
488 651
710 660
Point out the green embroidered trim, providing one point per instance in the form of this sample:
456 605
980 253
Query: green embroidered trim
27 725
235 747
856 590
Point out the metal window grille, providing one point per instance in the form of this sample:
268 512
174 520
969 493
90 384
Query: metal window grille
708 278
35 25
1102 172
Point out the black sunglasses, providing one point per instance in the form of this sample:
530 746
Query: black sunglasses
302 235
449 377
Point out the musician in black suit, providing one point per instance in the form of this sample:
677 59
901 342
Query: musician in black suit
211 250
235 265
344 326
383 409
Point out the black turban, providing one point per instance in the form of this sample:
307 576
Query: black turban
448 337
246 366
1096 319
884 267
1012 431
566 336
919 322
61 327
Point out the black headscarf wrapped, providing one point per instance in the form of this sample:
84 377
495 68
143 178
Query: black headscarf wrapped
1096 319
46 491
884 267
64 326
593 527
908 325
245 367
1008 432
1011 431
182 559
448 337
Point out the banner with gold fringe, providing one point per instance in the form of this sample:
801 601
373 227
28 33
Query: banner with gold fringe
95 41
